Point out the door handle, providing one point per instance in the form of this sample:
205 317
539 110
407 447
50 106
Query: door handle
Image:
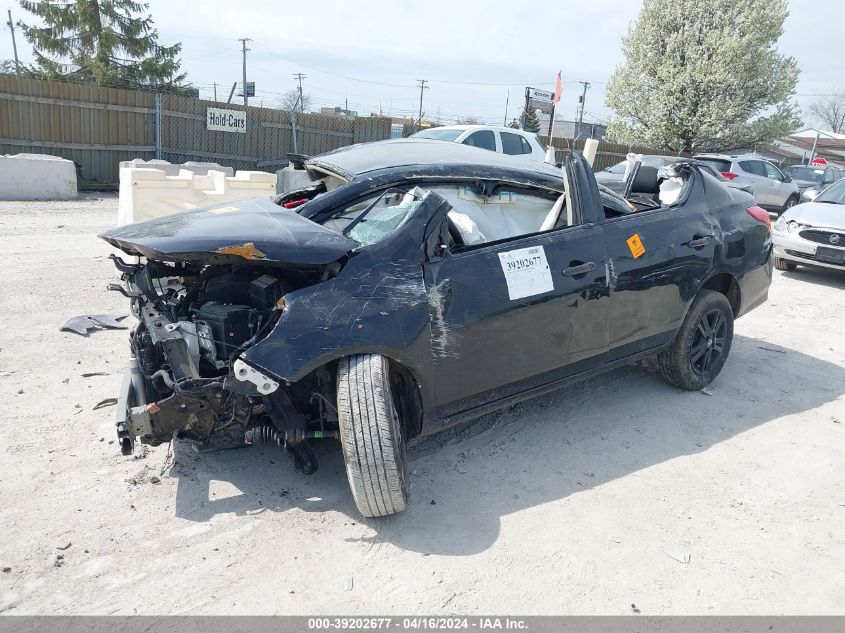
699 242
580 269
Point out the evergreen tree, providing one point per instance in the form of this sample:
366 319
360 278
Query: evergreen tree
704 75
530 122
107 42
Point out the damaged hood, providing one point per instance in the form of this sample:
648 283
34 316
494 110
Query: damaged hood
255 229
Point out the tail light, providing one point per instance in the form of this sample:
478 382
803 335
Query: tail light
761 215
729 175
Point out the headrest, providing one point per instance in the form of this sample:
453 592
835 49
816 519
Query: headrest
646 181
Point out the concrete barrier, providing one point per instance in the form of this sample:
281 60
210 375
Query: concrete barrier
173 169
37 177
149 192
290 179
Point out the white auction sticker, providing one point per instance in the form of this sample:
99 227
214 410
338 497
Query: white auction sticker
526 272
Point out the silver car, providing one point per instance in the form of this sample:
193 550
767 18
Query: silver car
812 233
773 190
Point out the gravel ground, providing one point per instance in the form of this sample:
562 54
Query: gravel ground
620 492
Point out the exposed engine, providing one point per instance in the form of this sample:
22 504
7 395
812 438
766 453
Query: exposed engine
186 377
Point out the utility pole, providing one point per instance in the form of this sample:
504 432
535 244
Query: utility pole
525 111
215 91
583 100
507 99
244 49
14 44
299 77
423 86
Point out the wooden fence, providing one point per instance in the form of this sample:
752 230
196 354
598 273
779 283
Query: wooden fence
98 127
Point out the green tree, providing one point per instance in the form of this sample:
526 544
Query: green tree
530 122
704 75
107 42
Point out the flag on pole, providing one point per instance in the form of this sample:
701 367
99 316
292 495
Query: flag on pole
558 87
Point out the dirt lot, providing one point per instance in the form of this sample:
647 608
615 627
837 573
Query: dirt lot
624 491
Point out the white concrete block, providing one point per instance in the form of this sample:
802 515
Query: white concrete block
150 193
173 169
290 179
37 177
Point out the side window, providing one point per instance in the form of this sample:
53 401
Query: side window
526 146
508 213
512 143
772 172
754 167
485 139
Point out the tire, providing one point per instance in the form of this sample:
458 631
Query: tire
789 204
371 436
702 345
785 264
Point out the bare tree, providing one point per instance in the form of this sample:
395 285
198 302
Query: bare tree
468 119
830 110
290 101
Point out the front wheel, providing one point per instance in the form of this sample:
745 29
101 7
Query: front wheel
371 435
785 264
702 345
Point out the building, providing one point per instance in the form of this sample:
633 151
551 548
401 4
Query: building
828 145
338 111
569 129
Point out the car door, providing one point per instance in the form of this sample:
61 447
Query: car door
657 260
756 175
517 313
779 190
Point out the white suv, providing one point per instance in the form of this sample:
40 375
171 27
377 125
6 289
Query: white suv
504 140
773 189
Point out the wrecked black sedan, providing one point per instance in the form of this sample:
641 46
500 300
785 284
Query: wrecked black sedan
416 283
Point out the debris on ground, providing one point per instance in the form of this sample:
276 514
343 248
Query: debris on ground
772 349
95 373
64 547
682 557
82 324
707 391
105 402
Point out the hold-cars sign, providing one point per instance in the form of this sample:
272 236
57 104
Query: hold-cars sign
225 120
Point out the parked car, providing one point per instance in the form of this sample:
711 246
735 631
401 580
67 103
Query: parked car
813 233
614 177
773 190
418 283
504 140
812 180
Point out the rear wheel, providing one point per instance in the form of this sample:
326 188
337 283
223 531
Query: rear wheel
702 344
371 435
785 264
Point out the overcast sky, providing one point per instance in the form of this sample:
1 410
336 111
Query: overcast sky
372 52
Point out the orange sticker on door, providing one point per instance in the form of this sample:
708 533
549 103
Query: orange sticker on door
636 245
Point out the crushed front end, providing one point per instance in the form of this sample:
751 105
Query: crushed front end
185 377
199 309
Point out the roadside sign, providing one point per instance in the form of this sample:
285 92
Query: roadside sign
225 120
819 162
541 95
